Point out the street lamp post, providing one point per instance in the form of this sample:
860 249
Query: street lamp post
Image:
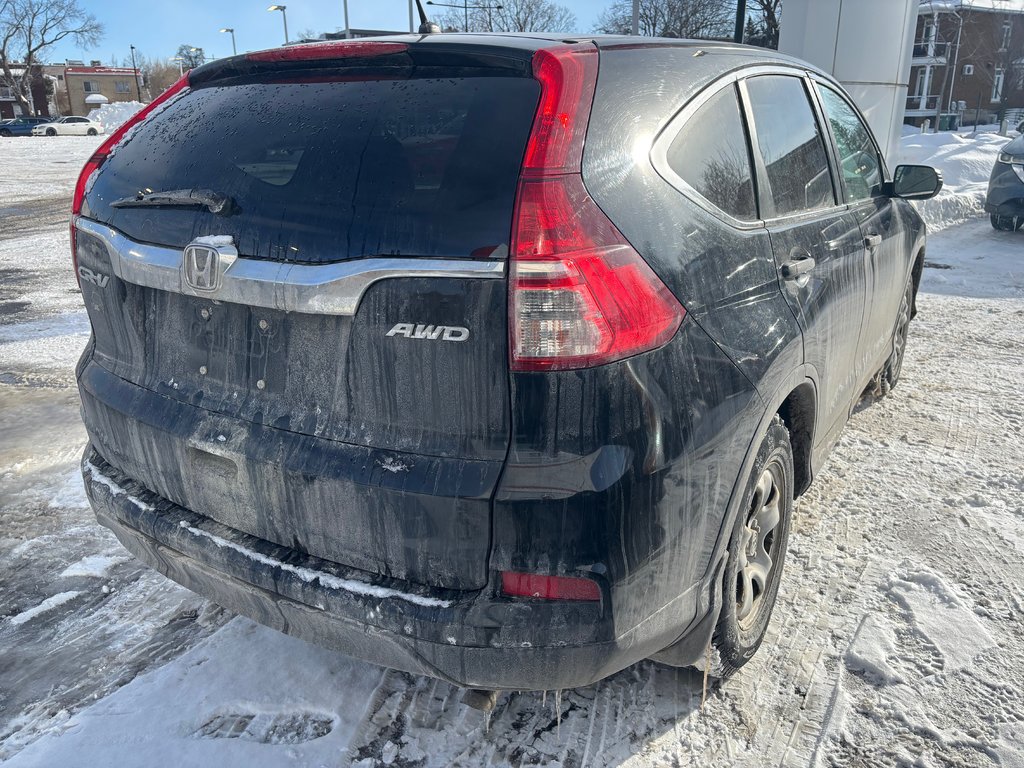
465 6
135 74
181 67
234 50
284 18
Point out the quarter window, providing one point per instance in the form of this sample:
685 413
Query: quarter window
858 159
711 155
791 145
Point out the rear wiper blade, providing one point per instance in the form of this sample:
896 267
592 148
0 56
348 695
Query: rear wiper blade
215 202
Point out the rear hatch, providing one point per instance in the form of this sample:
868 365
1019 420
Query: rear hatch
342 386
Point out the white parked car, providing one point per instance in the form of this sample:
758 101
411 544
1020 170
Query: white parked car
68 126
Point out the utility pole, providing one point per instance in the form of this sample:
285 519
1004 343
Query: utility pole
741 20
135 74
344 5
636 17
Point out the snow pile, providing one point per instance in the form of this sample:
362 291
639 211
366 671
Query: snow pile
112 116
965 161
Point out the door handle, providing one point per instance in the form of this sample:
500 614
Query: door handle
873 241
792 270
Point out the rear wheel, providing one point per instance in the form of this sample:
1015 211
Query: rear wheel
1006 223
51 132
91 132
757 551
5 132
890 373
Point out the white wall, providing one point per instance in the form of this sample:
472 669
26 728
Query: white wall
865 44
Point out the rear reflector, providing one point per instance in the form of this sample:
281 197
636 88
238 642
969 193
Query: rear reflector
100 155
332 50
581 295
548 587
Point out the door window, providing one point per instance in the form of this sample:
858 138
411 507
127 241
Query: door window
858 159
712 156
791 145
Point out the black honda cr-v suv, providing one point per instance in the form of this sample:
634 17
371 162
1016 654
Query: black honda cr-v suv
494 358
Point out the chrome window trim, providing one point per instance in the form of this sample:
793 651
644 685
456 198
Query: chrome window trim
322 289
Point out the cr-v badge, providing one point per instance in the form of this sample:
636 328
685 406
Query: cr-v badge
204 262
432 332
95 278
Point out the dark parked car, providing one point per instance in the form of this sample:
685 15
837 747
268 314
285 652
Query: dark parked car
21 126
494 358
1005 200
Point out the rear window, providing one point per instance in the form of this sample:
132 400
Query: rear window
327 171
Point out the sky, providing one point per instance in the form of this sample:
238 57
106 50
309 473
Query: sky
157 27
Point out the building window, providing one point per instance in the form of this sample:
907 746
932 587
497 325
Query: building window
90 87
1004 43
968 70
997 85
121 86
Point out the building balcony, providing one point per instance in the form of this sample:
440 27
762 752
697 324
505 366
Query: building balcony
921 105
933 53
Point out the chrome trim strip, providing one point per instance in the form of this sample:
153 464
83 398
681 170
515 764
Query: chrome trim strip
322 289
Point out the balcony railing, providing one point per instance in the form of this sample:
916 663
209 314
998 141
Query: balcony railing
930 50
927 103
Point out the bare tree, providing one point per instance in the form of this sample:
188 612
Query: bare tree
29 28
191 57
669 18
513 16
767 25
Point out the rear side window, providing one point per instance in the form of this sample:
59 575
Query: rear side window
327 171
711 155
858 158
791 145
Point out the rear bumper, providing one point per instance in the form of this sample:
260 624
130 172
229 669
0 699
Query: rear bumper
477 640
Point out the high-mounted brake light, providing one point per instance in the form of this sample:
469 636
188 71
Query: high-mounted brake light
548 587
329 50
100 155
580 294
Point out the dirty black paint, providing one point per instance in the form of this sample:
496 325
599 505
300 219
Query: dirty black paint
427 467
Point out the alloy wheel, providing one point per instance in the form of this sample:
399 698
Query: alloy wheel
757 540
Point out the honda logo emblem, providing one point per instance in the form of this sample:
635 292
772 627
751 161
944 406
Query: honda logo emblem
204 263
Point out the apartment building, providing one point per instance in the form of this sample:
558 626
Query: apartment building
88 87
968 60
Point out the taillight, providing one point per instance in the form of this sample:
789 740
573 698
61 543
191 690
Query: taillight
548 587
100 155
580 294
329 50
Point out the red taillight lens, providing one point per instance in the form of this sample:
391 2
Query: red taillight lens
567 76
548 587
100 155
331 50
580 295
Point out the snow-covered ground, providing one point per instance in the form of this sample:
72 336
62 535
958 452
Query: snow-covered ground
897 640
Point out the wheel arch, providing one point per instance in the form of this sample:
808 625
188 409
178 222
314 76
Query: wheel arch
916 272
798 412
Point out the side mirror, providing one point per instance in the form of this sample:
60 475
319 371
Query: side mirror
914 182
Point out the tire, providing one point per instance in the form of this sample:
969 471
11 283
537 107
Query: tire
1006 223
5 133
51 132
91 132
889 376
757 553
